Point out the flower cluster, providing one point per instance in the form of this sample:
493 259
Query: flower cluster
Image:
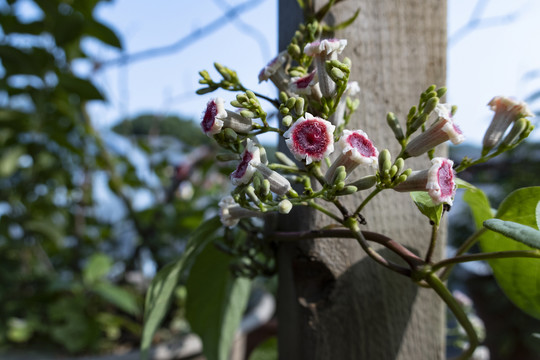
315 106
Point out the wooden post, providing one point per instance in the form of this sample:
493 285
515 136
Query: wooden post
333 301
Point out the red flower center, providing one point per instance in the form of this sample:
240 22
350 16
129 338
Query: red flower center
241 168
446 179
310 137
209 116
362 145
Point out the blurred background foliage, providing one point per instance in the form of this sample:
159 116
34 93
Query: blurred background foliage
73 271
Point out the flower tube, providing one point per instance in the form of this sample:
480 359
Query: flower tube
443 129
507 111
275 71
438 181
322 51
215 117
356 149
337 117
310 138
230 212
250 163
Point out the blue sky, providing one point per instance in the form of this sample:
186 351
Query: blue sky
490 60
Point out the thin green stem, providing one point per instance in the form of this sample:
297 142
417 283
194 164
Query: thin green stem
486 256
367 200
461 250
316 206
432 243
436 284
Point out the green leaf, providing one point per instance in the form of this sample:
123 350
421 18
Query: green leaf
479 204
522 233
97 267
538 215
519 278
158 296
10 160
462 184
103 33
426 206
119 297
215 303
82 87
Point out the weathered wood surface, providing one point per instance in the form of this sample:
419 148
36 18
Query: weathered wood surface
334 302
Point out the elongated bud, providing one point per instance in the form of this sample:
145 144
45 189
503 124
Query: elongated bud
394 125
337 74
519 127
364 183
294 50
290 102
283 96
265 187
250 191
257 180
285 206
385 160
419 122
230 134
431 104
248 114
299 106
393 171
441 92
339 175
340 185
284 159
400 163
430 88
284 110
347 190
250 94
227 157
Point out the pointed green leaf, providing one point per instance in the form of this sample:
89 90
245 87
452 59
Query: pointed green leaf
103 33
82 87
522 233
462 184
342 25
215 303
119 297
426 206
97 267
519 278
159 294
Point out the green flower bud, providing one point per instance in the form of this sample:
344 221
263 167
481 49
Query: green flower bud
365 183
430 89
441 92
453 110
347 190
407 172
284 110
257 180
340 185
292 193
347 62
242 98
250 191
299 106
290 102
400 163
401 178
411 113
431 104
265 187
384 157
419 122
340 175
236 103
204 74
284 159
395 126
285 206
250 94
248 114
229 134
337 74
283 96
287 120
519 127
294 50
393 171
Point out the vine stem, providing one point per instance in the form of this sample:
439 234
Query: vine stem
432 243
436 284
366 200
327 212
486 256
